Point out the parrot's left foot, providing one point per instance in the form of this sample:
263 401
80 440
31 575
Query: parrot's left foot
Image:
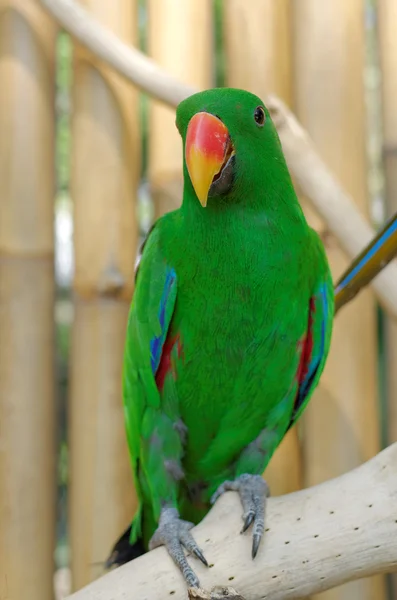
174 534
253 491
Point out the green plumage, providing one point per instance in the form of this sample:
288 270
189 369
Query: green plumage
229 327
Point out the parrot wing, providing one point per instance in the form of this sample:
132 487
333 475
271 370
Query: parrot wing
315 345
149 318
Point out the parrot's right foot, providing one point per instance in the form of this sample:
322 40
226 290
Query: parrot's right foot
253 491
174 534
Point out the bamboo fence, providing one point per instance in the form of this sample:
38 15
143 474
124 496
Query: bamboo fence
388 54
342 422
104 180
27 398
185 52
311 55
388 61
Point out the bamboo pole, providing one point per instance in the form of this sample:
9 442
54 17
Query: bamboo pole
105 171
388 60
262 65
341 423
258 46
388 55
27 402
180 40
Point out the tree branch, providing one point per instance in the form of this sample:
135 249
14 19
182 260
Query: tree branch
317 538
330 201
309 171
126 60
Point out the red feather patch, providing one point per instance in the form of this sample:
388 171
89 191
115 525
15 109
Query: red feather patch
306 346
166 363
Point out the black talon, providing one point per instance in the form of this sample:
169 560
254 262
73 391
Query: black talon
248 520
256 538
201 556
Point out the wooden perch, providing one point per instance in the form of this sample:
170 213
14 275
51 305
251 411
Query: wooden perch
317 538
343 220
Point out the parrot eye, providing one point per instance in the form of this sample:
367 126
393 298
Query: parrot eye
259 116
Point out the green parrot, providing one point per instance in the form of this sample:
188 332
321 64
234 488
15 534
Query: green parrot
228 332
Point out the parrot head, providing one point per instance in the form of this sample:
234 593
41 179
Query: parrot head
230 144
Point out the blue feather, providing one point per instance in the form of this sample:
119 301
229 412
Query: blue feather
157 342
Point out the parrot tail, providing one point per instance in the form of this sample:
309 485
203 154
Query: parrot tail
122 551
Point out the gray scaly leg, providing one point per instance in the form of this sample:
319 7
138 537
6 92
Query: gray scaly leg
174 534
253 491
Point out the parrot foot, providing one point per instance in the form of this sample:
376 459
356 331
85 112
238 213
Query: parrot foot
174 534
253 491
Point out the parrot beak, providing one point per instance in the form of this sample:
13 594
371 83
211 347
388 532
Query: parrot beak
207 151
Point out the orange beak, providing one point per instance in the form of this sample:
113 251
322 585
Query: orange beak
206 152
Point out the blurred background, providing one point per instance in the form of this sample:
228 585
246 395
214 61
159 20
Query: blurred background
87 162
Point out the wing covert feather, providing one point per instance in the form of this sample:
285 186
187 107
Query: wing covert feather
150 314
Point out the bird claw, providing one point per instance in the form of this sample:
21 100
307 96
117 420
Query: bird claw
253 491
256 540
248 520
174 534
200 556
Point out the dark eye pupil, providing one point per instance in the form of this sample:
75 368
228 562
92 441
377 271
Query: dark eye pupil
259 115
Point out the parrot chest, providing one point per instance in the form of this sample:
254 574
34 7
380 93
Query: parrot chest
233 346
